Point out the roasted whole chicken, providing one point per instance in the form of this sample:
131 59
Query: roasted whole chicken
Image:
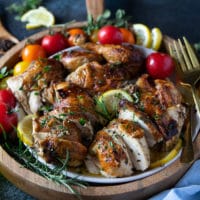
62 96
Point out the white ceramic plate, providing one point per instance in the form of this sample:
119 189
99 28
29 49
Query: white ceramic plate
104 180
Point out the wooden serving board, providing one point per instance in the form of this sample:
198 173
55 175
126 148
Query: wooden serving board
42 188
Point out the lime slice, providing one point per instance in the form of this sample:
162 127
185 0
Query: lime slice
169 156
109 101
143 35
38 17
24 130
156 38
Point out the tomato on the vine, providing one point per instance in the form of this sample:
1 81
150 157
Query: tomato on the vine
32 52
53 43
110 35
76 36
160 65
127 36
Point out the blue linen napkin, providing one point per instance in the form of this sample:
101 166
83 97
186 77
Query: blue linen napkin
188 188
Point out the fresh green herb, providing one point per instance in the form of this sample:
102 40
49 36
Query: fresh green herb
120 20
136 97
30 160
47 68
57 57
4 72
20 8
46 108
101 109
82 121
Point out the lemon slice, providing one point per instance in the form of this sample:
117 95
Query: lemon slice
143 35
24 130
169 156
156 38
38 17
109 101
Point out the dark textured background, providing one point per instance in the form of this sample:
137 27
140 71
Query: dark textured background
174 18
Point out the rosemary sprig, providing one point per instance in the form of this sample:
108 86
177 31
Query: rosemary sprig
24 6
120 20
30 160
101 109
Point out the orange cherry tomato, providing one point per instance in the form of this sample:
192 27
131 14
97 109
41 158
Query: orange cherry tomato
76 36
32 52
127 36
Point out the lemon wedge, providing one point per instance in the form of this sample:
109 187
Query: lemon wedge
109 101
156 38
143 35
169 156
24 130
38 17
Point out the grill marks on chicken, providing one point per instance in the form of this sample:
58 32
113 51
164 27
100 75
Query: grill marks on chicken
30 87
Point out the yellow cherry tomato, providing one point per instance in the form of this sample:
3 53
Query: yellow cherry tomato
20 67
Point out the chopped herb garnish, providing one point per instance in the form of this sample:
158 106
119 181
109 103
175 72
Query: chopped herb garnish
47 68
82 121
57 57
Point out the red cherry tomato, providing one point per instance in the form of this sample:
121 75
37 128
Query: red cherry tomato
54 43
7 97
32 52
110 35
160 65
8 120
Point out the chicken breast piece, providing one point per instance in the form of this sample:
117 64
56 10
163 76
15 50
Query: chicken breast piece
129 112
97 78
112 157
133 136
29 87
74 59
54 134
116 54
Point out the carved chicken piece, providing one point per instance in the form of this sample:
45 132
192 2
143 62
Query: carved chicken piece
57 148
29 88
160 98
117 54
74 59
97 78
129 112
110 155
133 136
54 134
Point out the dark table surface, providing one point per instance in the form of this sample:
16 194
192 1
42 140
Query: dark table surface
174 18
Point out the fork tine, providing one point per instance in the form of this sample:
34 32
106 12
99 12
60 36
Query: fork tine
180 58
191 53
186 58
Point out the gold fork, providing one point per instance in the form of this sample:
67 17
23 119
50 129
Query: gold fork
189 71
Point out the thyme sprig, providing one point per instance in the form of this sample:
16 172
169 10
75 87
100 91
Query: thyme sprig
30 160
120 20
